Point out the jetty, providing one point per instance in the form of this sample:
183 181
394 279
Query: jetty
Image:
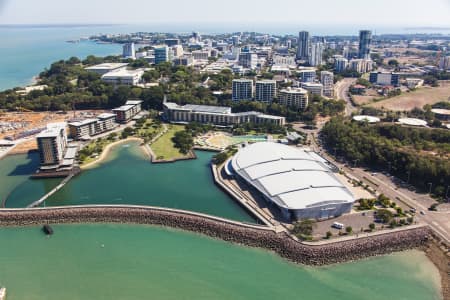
57 188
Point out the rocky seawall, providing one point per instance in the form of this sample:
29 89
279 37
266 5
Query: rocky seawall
236 232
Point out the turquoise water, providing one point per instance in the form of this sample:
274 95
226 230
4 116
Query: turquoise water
129 178
143 262
25 52
15 171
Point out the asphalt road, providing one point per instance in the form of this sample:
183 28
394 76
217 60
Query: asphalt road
438 221
341 90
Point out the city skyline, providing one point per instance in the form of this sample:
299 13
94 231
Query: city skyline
347 12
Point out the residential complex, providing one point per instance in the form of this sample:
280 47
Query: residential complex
307 74
217 115
365 42
313 87
248 60
126 112
304 44
327 80
161 54
385 78
242 89
52 144
295 97
266 91
85 129
129 51
316 54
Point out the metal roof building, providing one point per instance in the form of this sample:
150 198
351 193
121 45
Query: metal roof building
299 182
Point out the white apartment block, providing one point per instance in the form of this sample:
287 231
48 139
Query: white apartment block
52 144
313 88
327 80
85 129
295 97
316 54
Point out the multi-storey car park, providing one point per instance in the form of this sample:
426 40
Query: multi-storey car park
300 183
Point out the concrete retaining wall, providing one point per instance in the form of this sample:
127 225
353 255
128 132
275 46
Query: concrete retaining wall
236 232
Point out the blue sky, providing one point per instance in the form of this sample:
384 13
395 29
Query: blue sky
340 12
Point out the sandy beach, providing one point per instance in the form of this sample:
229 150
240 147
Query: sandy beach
107 149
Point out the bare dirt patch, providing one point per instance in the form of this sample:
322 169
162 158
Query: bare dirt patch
410 100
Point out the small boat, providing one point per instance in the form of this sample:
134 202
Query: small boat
47 229
2 293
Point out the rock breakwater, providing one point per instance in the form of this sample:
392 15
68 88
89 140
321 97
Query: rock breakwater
236 232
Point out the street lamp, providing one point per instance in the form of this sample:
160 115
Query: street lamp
431 185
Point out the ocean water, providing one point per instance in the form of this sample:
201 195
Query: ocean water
26 50
127 177
144 262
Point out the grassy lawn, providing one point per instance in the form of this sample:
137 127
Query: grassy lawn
164 147
148 130
90 152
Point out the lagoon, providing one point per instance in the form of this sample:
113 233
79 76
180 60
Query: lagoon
128 177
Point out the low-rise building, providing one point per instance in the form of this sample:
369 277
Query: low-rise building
106 67
295 97
361 65
126 112
313 88
307 75
84 129
124 77
385 78
217 115
413 83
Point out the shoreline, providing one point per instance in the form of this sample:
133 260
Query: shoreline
107 150
232 231
250 235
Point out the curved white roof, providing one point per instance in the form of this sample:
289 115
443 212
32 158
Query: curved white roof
292 178
413 122
441 111
369 119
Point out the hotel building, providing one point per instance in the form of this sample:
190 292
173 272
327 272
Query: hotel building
126 112
52 144
217 115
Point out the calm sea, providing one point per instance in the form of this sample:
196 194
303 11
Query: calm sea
26 50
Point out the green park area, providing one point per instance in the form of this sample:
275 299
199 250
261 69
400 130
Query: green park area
164 147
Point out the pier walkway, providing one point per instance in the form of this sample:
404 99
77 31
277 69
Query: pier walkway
57 188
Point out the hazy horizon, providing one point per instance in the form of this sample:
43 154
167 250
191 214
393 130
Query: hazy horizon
384 13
